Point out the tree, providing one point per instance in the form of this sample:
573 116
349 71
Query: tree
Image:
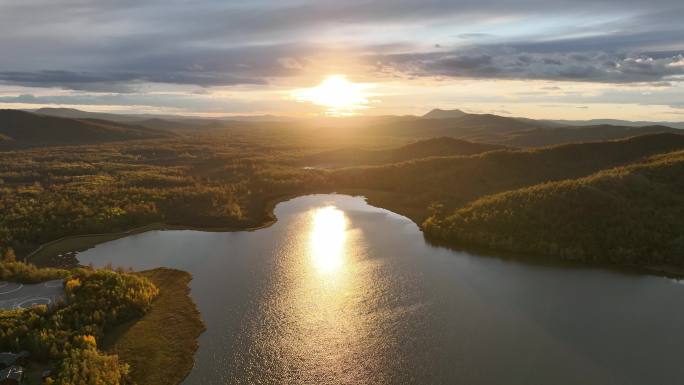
8 255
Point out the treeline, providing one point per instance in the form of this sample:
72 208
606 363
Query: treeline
12 271
632 215
67 334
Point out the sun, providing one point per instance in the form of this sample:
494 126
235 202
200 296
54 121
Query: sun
340 96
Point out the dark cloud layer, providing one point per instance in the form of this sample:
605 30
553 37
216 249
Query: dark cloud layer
118 82
508 62
115 45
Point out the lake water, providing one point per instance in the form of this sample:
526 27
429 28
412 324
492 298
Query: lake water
340 292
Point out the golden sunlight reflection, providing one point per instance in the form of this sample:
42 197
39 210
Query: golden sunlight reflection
327 239
340 96
317 316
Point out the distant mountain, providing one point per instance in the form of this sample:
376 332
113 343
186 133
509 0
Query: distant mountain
165 121
483 128
471 127
182 125
444 114
25 129
73 113
444 146
524 132
541 137
615 122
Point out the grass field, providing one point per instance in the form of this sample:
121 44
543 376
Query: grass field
160 346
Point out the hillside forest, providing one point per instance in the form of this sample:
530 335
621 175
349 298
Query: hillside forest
466 179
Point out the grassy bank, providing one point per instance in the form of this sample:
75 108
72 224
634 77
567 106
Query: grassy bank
160 346
46 254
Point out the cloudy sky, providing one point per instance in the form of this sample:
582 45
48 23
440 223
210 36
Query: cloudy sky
536 58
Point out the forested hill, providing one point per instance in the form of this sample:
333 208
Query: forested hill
442 114
444 146
472 127
548 136
495 129
630 215
411 186
25 129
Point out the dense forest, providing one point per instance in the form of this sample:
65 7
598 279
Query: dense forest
631 215
410 187
67 334
49 193
230 177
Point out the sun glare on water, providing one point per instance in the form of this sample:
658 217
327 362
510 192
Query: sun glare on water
327 239
337 94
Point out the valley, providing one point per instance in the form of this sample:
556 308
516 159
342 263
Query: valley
533 196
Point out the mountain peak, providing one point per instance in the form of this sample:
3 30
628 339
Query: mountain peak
444 114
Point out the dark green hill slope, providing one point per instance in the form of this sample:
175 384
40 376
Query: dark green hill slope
410 187
630 215
560 135
472 127
26 129
444 146
494 129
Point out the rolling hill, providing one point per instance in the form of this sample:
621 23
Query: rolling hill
410 187
443 146
541 137
614 122
516 132
24 129
482 128
472 127
444 114
161 122
631 215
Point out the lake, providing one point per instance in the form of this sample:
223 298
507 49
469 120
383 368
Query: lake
340 292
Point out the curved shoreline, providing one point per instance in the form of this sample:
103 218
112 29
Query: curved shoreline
92 240
270 219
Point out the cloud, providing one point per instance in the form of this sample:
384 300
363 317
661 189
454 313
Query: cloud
117 45
509 62
150 102
474 35
118 82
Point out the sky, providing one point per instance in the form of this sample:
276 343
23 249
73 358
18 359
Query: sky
561 59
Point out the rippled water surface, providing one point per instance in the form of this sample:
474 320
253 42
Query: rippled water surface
340 292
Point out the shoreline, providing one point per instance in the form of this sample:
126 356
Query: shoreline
71 244
165 337
270 219
664 271
81 242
